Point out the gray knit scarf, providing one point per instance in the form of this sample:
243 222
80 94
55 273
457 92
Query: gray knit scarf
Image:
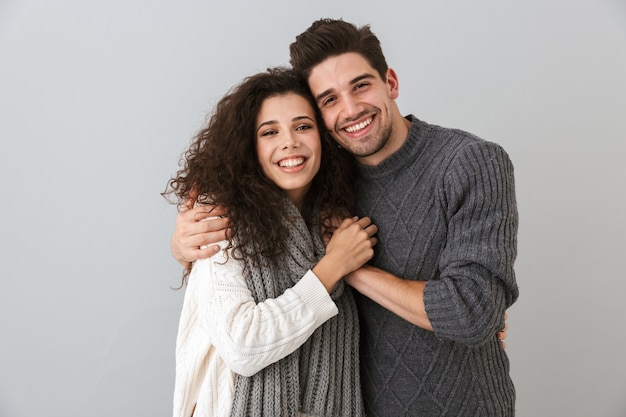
321 378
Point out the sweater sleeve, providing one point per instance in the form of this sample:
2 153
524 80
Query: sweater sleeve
250 336
477 282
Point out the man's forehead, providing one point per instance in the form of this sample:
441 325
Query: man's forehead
339 70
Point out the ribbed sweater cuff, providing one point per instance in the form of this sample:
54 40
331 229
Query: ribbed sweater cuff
314 295
441 310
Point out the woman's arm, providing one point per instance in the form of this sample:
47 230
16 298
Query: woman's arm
250 336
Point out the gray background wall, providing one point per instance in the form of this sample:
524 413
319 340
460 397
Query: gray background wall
98 100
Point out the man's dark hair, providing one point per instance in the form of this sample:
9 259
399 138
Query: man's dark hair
326 38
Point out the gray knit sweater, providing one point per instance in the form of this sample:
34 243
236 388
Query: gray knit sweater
446 212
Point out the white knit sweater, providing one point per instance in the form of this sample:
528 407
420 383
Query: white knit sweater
222 331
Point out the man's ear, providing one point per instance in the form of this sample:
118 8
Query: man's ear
392 84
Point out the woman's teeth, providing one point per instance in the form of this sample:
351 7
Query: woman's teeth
290 163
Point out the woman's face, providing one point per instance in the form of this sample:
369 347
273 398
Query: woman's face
288 144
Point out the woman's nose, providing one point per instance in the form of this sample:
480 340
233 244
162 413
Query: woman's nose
290 141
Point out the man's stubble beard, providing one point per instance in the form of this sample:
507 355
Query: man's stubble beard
365 150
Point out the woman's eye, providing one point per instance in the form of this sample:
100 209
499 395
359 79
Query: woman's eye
304 127
268 133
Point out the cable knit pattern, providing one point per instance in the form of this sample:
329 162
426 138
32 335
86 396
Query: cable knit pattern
446 212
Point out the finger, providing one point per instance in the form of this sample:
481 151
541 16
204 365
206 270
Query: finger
364 222
371 230
218 224
188 223
197 249
188 214
207 252
205 238
347 222
204 212
368 226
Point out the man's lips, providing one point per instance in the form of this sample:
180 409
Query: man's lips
359 126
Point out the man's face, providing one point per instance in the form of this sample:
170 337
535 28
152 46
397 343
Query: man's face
357 105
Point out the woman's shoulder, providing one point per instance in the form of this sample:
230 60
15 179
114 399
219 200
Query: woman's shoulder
223 264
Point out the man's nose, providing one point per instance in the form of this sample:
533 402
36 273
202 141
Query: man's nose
351 107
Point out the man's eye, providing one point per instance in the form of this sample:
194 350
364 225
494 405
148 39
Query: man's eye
328 101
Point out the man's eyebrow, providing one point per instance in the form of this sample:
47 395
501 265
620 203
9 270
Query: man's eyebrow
324 94
365 76
355 80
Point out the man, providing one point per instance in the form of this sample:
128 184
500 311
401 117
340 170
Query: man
437 290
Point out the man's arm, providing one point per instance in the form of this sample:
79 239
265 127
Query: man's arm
476 283
467 301
194 238
403 297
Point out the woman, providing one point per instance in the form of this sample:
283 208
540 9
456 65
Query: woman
267 325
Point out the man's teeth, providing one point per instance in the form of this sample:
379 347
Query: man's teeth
358 127
290 163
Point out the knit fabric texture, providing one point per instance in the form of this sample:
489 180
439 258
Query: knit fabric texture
322 377
446 213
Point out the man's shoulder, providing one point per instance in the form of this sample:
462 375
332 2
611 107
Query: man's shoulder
423 128
443 141
455 139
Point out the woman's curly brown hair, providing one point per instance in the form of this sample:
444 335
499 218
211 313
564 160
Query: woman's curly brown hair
221 167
